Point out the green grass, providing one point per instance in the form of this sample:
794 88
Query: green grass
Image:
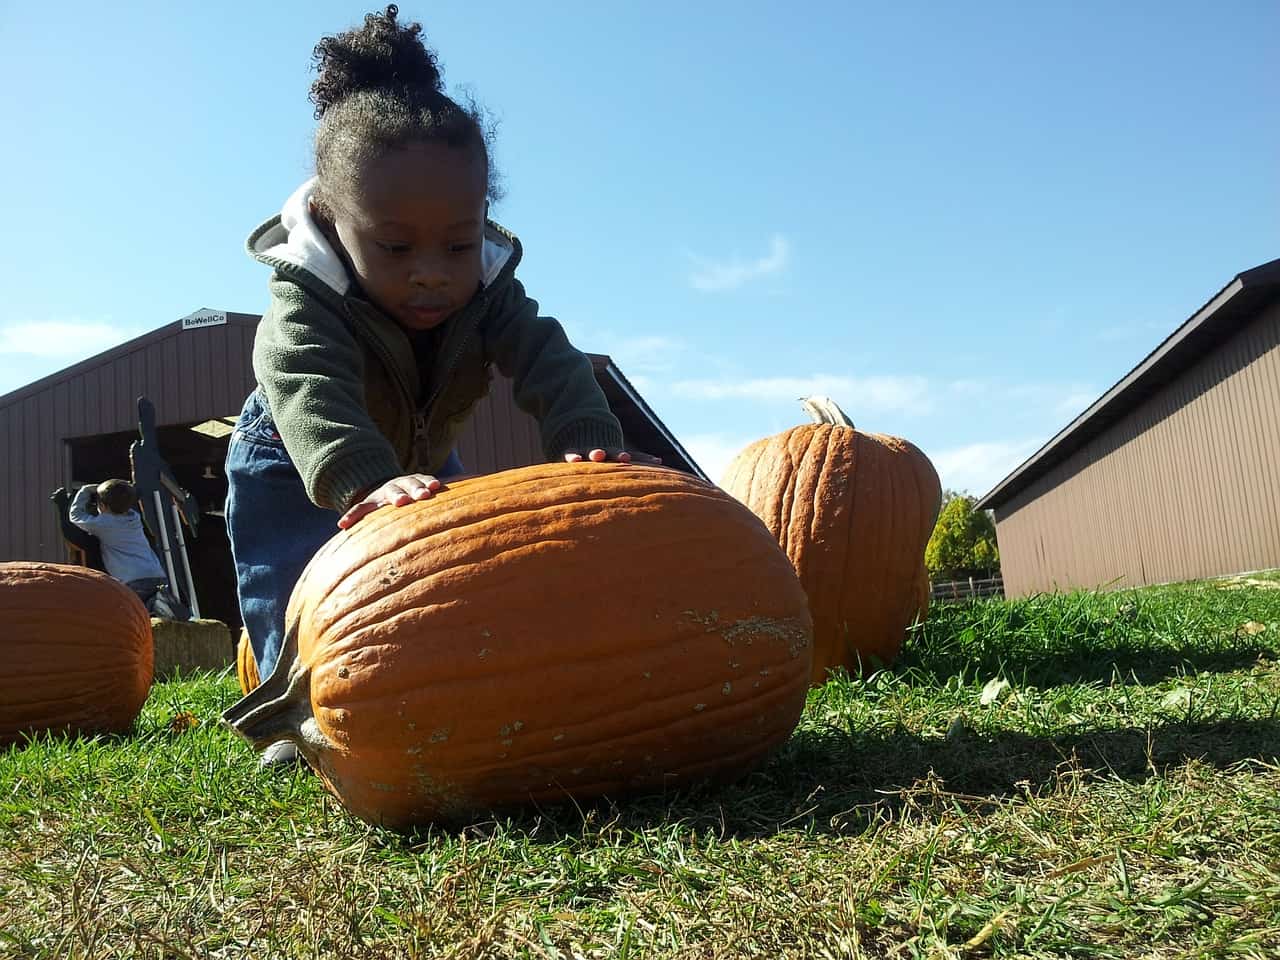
1083 776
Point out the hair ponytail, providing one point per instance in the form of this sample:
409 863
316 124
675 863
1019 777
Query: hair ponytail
380 88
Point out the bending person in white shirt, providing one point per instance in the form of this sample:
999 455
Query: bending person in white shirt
126 551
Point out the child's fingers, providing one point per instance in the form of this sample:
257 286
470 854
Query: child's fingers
399 492
418 486
601 455
628 456
356 514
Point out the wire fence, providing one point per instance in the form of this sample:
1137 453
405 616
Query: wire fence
969 589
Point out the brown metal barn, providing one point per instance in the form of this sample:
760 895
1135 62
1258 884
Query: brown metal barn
1173 474
75 426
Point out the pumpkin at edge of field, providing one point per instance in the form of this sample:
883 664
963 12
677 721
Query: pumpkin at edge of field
78 650
549 632
853 511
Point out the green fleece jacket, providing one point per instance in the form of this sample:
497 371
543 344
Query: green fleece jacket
342 381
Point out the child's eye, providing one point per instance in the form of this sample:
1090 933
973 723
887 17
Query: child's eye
461 247
393 247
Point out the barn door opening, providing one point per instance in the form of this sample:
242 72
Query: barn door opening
196 453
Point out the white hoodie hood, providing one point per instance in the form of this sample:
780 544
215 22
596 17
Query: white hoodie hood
298 240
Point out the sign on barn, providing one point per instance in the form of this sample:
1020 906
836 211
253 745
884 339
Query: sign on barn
204 317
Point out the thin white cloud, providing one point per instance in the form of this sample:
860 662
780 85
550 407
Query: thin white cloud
60 338
908 394
1131 331
716 275
880 394
1076 402
1061 399
970 388
972 468
714 451
649 354
1115 334
977 467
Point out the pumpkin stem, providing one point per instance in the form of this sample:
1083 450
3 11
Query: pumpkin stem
825 410
269 714
278 708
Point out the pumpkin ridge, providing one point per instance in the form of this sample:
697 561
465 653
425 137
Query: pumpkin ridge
87 623
809 551
590 755
821 577
60 662
837 518
432 510
869 480
656 772
459 540
60 675
525 660
556 484
799 519
60 699
334 651
777 667
605 785
474 757
892 571
736 469
33 612
764 500
462 501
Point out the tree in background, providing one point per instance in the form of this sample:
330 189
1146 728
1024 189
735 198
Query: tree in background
963 543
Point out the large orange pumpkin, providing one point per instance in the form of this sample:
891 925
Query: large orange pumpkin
77 649
853 511
561 630
246 664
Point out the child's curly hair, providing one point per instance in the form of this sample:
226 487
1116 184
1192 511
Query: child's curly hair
379 88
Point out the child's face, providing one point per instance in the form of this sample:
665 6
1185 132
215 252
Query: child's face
412 226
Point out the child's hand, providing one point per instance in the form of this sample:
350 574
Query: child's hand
612 453
399 492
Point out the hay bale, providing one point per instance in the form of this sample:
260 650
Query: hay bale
187 645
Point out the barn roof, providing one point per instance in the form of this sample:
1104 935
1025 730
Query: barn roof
644 429
107 357
1228 310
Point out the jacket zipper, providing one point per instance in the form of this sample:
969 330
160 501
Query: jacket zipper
423 423
385 356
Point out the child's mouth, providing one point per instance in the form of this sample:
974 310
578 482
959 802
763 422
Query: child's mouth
426 314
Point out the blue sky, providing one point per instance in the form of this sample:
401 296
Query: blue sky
961 221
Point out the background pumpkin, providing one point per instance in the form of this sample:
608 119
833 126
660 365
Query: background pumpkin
77 648
552 631
853 511
246 664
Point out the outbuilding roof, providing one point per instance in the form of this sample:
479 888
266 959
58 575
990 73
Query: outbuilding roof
1233 306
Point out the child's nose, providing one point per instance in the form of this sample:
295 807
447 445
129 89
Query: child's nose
428 272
